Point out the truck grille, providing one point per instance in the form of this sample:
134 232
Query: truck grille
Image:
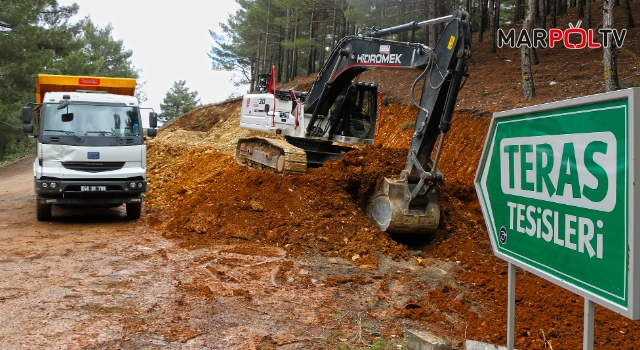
93 167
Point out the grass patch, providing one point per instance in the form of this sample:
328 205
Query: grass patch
348 331
408 124
21 151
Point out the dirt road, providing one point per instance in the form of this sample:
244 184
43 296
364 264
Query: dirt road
91 279
74 282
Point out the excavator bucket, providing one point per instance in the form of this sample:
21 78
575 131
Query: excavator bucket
391 209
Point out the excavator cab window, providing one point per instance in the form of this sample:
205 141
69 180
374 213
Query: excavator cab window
355 110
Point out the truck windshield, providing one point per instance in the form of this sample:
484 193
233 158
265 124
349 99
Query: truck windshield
91 120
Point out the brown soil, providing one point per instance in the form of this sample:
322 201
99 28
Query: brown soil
322 212
231 258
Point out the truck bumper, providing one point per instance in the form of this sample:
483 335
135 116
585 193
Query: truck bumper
89 192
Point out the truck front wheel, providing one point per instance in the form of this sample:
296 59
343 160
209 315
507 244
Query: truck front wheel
43 211
134 210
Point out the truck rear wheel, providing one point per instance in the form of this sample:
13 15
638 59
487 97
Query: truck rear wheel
43 211
134 210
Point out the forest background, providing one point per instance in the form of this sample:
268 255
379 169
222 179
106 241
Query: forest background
297 37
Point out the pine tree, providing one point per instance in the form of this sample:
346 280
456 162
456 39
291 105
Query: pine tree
36 37
33 33
525 53
178 101
96 54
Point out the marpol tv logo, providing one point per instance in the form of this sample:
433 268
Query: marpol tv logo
574 38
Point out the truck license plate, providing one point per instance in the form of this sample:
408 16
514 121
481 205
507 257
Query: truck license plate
93 188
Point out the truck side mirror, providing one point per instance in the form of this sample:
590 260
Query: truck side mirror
26 115
152 132
266 109
153 120
27 128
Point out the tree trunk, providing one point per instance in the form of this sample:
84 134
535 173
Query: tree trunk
581 8
432 29
323 40
587 15
543 15
310 58
258 71
266 39
281 54
294 59
534 56
627 13
252 86
559 7
287 60
610 61
492 28
525 53
496 4
483 19
554 11
333 30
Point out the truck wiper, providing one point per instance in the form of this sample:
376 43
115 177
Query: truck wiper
71 133
107 133
98 132
64 131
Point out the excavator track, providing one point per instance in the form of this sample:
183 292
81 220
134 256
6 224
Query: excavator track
275 155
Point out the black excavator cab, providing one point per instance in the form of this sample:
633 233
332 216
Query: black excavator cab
354 112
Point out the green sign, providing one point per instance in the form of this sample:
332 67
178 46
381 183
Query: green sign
556 187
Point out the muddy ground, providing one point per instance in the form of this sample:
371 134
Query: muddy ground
230 258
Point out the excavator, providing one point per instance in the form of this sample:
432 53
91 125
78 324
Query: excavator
341 109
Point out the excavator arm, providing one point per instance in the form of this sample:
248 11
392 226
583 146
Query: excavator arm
409 203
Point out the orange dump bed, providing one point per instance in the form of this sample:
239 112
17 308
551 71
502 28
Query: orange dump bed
54 83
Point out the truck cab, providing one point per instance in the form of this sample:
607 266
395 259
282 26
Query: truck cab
90 147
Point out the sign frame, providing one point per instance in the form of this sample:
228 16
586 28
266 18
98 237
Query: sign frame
632 146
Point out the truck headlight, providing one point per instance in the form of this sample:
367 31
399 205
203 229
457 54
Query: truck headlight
45 185
132 185
139 184
53 185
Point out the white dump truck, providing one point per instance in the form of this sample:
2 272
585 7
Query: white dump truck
90 144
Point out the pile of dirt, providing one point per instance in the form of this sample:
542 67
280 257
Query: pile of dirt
202 197
206 197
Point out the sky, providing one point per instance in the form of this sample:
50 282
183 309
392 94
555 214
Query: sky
170 41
